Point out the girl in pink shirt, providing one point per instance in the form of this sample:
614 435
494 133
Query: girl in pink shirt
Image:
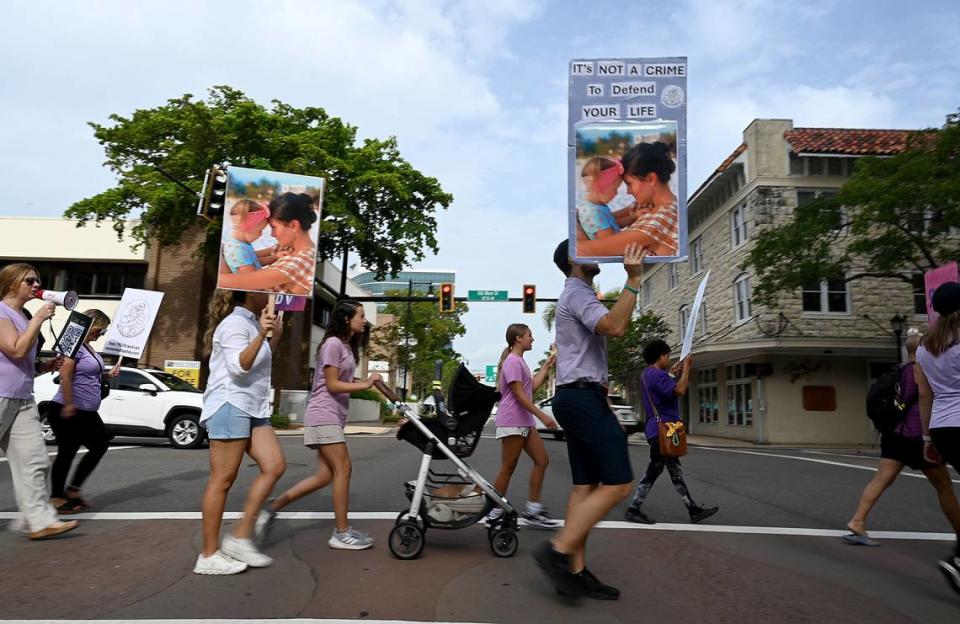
324 421
515 424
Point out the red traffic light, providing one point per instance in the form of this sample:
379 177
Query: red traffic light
447 302
529 299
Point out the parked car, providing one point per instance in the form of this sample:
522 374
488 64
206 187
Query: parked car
142 403
624 412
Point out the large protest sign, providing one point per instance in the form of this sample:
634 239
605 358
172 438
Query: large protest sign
271 224
73 334
130 329
694 316
627 160
932 279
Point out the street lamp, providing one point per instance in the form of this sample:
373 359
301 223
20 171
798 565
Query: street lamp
896 324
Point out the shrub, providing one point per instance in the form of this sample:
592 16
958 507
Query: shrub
280 421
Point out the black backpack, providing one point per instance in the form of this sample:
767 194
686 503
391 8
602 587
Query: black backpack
884 408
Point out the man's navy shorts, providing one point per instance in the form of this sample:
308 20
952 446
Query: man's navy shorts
596 444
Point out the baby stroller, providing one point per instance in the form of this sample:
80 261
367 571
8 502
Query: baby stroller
450 500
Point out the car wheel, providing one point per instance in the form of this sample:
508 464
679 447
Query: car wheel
48 436
184 432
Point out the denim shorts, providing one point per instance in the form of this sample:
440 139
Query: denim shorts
232 423
596 444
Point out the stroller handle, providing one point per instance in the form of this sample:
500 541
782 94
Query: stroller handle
387 392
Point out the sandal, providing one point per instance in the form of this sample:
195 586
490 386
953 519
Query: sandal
71 506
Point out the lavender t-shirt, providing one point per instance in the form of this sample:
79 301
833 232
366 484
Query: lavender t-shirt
511 413
325 407
86 381
581 353
943 374
16 376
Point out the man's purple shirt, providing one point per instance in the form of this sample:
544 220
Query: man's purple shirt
581 353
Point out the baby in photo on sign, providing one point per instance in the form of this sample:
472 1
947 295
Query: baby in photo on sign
602 177
248 219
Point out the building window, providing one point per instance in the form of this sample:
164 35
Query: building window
739 397
738 226
707 396
92 279
919 294
672 276
684 318
696 255
646 294
837 214
741 298
827 296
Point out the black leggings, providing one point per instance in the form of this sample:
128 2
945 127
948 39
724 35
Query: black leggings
947 441
654 470
84 428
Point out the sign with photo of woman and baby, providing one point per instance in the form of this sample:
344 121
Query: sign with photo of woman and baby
627 158
271 222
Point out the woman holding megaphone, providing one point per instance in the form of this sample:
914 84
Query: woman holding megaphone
20 435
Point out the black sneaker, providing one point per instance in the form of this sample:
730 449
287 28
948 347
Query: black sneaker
951 571
556 566
591 587
635 515
698 514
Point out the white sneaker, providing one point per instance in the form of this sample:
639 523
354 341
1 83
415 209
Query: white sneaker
264 524
218 564
351 539
243 550
495 513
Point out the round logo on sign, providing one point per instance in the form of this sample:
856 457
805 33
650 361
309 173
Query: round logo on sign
672 96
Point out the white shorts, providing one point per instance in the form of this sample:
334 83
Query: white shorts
506 432
319 435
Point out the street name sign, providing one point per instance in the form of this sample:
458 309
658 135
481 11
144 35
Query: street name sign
487 295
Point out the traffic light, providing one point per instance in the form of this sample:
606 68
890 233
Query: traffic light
214 191
447 302
529 299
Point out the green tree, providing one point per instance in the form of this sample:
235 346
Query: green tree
892 219
431 338
375 203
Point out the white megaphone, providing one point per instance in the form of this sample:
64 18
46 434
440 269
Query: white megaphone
67 298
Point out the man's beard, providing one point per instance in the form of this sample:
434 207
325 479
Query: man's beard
590 270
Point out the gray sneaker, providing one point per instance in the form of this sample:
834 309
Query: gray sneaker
539 520
264 524
351 539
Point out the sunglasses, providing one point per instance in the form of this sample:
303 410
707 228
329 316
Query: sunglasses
32 281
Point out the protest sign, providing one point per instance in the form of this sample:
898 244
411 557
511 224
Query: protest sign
627 160
290 303
692 321
931 280
271 223
73 334
131 326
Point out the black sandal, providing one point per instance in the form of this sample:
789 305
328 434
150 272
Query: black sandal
70 506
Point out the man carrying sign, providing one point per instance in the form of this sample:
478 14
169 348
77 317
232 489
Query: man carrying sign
596 444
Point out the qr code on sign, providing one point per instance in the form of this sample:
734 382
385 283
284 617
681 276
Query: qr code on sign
70 339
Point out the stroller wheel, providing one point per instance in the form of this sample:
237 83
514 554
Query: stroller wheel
504 543
407 540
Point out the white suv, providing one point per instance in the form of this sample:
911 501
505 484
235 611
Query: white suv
621 409
142 403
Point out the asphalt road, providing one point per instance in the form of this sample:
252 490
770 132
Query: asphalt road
728 569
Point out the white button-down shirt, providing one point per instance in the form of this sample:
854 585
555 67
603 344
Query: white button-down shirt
247 390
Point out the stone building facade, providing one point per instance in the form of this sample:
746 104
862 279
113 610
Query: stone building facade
796 373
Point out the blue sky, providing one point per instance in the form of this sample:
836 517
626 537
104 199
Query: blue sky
475 91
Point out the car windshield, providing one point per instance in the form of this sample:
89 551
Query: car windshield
174 383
